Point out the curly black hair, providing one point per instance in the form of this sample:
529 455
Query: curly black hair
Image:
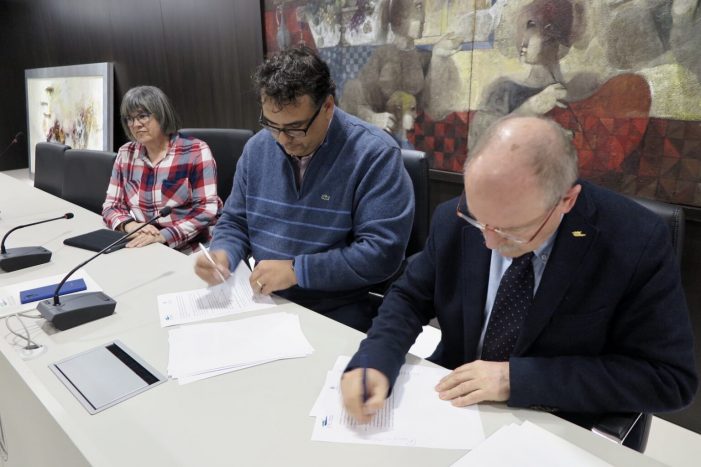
291 73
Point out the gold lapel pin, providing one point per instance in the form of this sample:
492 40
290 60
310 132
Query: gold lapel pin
578 234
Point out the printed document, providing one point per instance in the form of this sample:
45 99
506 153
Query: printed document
228 298
412 416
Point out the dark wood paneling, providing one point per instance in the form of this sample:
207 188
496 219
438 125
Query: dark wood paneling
201 54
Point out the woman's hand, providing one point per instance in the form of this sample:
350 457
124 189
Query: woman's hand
149 229
143 239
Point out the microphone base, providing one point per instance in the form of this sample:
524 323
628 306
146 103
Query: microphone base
76 309
24 257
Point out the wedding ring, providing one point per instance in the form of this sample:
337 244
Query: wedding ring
259 284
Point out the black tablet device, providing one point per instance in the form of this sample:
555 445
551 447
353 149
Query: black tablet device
97 240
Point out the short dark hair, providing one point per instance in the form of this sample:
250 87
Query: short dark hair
152 100
292 73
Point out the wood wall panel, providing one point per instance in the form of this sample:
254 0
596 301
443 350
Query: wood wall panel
201 54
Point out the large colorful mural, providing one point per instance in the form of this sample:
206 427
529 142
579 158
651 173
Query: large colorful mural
624 76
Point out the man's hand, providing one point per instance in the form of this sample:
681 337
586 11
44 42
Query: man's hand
271 275
354 394
208 271
476 382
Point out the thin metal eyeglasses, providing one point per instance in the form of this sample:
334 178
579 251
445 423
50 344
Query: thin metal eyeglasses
290 132
142 118
505 235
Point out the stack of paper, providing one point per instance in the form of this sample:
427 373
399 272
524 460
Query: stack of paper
203 350
412 416
527 445
228 298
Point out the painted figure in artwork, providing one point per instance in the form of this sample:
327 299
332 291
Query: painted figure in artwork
545 31
399 66
402 106
585 103
648 33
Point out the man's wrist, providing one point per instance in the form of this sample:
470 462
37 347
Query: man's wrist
294 273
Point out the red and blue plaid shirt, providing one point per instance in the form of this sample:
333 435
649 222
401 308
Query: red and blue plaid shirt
185 179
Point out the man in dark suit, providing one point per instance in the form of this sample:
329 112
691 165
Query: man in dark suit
551 293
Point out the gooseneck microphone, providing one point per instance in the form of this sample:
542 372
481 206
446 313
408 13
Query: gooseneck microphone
12 143
24 257
81 308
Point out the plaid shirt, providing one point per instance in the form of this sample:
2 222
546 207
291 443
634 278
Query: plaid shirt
185 179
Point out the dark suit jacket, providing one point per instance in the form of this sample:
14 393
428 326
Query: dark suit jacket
608 330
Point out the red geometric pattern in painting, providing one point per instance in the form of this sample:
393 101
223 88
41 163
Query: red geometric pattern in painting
445 141
649 157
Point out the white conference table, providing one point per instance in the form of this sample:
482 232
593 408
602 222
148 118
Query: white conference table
256 416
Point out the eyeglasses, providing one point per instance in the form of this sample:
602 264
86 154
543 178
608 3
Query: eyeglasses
503 234
142 118
290 132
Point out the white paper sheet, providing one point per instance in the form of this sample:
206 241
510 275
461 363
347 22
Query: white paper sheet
231 297
527 445
413 415
426 342
208 349
9 294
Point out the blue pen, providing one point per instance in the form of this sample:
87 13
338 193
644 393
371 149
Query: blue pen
365 379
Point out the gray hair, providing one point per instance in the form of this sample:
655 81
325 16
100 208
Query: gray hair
555 166
152 100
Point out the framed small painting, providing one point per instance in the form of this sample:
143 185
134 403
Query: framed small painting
71 105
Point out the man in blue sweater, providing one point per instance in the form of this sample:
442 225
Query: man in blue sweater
320 199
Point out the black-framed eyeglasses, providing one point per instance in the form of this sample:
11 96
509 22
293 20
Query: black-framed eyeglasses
290 132
462 213
142 118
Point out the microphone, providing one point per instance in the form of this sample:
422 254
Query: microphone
12 143
88 306
24 257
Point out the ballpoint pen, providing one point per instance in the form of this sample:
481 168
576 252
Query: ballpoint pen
365 379
211 260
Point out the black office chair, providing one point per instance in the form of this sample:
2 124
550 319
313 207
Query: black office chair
633 429
416 164
226 145
49 160
86 177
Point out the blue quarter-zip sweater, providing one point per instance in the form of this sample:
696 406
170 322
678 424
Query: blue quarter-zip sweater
347 225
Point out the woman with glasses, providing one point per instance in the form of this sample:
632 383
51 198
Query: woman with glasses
159 168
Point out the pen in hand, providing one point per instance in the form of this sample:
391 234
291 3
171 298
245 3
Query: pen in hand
211 260
365 379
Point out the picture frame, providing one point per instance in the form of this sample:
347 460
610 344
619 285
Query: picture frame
71 105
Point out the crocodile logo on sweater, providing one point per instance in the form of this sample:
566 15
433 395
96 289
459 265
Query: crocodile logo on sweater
325 197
